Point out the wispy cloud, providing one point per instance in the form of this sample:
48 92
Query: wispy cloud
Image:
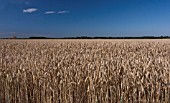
21 35
50 12
20 2
62 12
30 10
12 34
2 6
27 3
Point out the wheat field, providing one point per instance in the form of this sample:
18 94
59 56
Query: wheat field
84 71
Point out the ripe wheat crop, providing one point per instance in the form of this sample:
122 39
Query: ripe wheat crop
84 71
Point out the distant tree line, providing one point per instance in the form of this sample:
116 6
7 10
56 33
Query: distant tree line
37 38
86 37
143 37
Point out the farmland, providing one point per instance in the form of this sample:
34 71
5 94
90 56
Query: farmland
84 71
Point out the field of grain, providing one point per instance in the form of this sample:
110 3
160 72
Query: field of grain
84 71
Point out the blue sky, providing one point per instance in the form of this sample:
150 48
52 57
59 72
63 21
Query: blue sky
69 18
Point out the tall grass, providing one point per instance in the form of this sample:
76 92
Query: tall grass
96 71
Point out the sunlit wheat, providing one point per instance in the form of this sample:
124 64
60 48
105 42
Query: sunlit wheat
84 71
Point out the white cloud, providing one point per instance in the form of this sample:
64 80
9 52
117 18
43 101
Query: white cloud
62 12
50 12
30 10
